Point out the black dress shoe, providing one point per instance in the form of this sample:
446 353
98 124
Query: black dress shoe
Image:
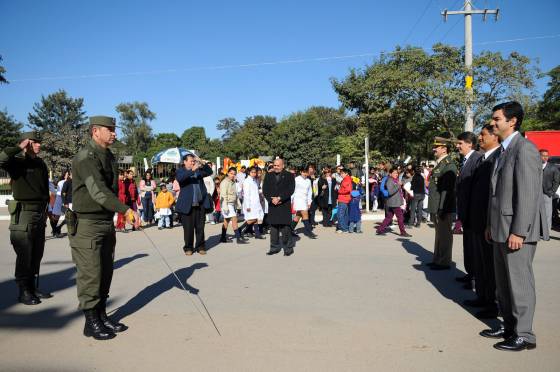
440 267
41 294
487 314
515 343
429 264
273 251
27 297
288 252
464 279
468 286
240 241
259 237
496 333
475 303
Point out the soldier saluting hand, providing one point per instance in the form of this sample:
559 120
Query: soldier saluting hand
30 187
91 229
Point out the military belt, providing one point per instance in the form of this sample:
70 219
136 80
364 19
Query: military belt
33 206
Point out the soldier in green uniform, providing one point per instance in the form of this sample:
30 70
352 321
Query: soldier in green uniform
28 212
442 203
90 226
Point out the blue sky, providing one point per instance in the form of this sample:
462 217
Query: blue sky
166 53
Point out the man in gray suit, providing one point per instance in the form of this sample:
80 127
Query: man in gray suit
466 144
514 227
551 181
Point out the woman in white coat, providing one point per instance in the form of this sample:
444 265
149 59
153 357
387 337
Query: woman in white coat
252 207
301 200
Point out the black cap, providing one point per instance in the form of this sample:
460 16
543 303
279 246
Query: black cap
32 135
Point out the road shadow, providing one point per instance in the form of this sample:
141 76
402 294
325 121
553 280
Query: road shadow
44 316
444 280
152 291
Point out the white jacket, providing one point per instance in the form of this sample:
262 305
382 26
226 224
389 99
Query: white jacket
251 200
303 194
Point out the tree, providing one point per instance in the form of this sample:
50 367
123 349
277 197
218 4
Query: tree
194 138
408 96
163 141
62 123
230 126
308 136
2 72
10 130
134 120
253 138
549 108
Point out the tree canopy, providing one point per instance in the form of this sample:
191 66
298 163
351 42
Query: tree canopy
62 123
10 130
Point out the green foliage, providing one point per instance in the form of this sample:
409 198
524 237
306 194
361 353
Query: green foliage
134 122
195 138
252 139
408 96
549 108
308 136
10 130
62 123
2 72
230 126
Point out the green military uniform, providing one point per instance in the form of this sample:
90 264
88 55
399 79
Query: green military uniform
30 187
442 205
95 201
92 232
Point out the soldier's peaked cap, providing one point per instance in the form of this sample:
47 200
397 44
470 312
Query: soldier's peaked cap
104 121
33 135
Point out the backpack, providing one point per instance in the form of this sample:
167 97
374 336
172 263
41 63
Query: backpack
382 187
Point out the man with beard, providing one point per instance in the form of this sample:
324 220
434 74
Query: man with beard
278 187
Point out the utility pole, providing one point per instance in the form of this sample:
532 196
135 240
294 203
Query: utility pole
468 11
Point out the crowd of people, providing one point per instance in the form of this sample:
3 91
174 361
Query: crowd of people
500 196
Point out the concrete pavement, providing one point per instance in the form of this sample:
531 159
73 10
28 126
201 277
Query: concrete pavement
343 302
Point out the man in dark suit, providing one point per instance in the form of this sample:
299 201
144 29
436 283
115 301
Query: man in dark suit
551 181
514 226
278 187
475 222
466 143
193 202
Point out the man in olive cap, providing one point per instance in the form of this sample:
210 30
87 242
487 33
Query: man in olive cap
90 227
30 187
442 204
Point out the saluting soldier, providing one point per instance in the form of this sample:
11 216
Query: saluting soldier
90 226
442 204
28 212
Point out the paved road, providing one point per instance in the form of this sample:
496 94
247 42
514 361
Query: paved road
341 303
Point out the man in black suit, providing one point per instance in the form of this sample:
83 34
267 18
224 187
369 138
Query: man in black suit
278 187
466 143
477 215
551 181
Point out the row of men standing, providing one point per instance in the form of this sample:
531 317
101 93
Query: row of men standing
500 201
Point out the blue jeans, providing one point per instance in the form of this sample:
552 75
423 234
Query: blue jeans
355 226
343 216
164 221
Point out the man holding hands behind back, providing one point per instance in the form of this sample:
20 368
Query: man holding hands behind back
514 227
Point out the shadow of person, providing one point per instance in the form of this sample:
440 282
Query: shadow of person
152 291
443 281
212 241
45 316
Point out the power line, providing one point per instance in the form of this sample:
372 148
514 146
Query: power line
261 64
417 21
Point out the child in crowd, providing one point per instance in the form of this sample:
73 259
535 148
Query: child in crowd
216 197
355 212
164 202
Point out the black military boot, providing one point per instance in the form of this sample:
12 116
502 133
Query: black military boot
116 327
27 297
223 237
95 328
